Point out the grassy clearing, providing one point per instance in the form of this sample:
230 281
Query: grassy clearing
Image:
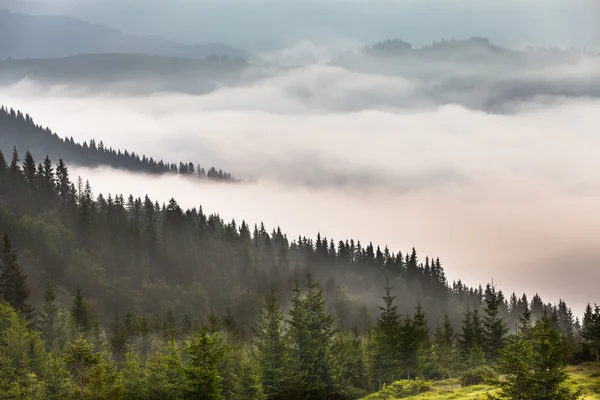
585 376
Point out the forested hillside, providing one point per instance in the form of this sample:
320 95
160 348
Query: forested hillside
110 296
20 131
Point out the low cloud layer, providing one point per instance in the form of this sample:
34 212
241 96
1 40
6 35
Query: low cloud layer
509 196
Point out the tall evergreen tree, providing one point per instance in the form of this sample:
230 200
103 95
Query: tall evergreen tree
80 312
13 281
386 353
494 325
271 351
311 333
204 351
591 330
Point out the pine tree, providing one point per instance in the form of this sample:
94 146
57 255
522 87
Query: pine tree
271 352
494 326
82 359
54 321
230 324
29 169
204 351
80 312
534 365
591 330
14 169
13 281
444 340
421 340
386 355
311 333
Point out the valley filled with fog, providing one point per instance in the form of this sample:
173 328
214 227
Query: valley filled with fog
489 161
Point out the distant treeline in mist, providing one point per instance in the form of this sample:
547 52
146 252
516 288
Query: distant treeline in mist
20 131
108 297
463 46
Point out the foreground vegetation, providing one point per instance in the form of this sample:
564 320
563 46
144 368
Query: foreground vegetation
585 376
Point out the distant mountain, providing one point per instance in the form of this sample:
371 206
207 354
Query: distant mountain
135 72
25 36
475 48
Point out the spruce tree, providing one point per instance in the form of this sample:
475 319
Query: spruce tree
13 281
494 326
533 365
271 350
204 352
386 355
311 332
444 340
80 312
591 330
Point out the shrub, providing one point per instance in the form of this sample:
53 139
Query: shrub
477 376
403 388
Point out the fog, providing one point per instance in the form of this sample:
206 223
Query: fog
384 157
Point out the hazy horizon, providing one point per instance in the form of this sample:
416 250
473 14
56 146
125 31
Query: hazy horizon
504 196
264 26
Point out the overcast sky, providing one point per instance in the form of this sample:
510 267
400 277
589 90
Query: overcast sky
261 25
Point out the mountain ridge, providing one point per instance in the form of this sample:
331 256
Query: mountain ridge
52 36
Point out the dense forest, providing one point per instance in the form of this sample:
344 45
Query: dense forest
114 297
18 129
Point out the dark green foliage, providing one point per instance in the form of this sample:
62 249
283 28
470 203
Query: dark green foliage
386 354
80 312
203 353
403 388
478 376
271 350
312 339
494 325
13 282
591 330
534 366
445 344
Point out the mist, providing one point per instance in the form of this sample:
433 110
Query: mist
265 25
510 196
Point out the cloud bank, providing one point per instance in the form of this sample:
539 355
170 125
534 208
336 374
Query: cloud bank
510 196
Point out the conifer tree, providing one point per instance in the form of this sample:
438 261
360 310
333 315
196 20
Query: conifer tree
444 340
311 333
29 169
591 330
494 326
13 281
271 352
80 312
204 351
82 359
386 354
534 365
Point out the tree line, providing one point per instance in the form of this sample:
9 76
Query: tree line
176 298
20 130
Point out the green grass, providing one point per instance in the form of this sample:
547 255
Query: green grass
585 376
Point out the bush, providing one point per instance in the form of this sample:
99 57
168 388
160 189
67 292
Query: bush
402 388
477 376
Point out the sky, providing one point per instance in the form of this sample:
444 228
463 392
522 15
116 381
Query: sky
264 25
506 196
